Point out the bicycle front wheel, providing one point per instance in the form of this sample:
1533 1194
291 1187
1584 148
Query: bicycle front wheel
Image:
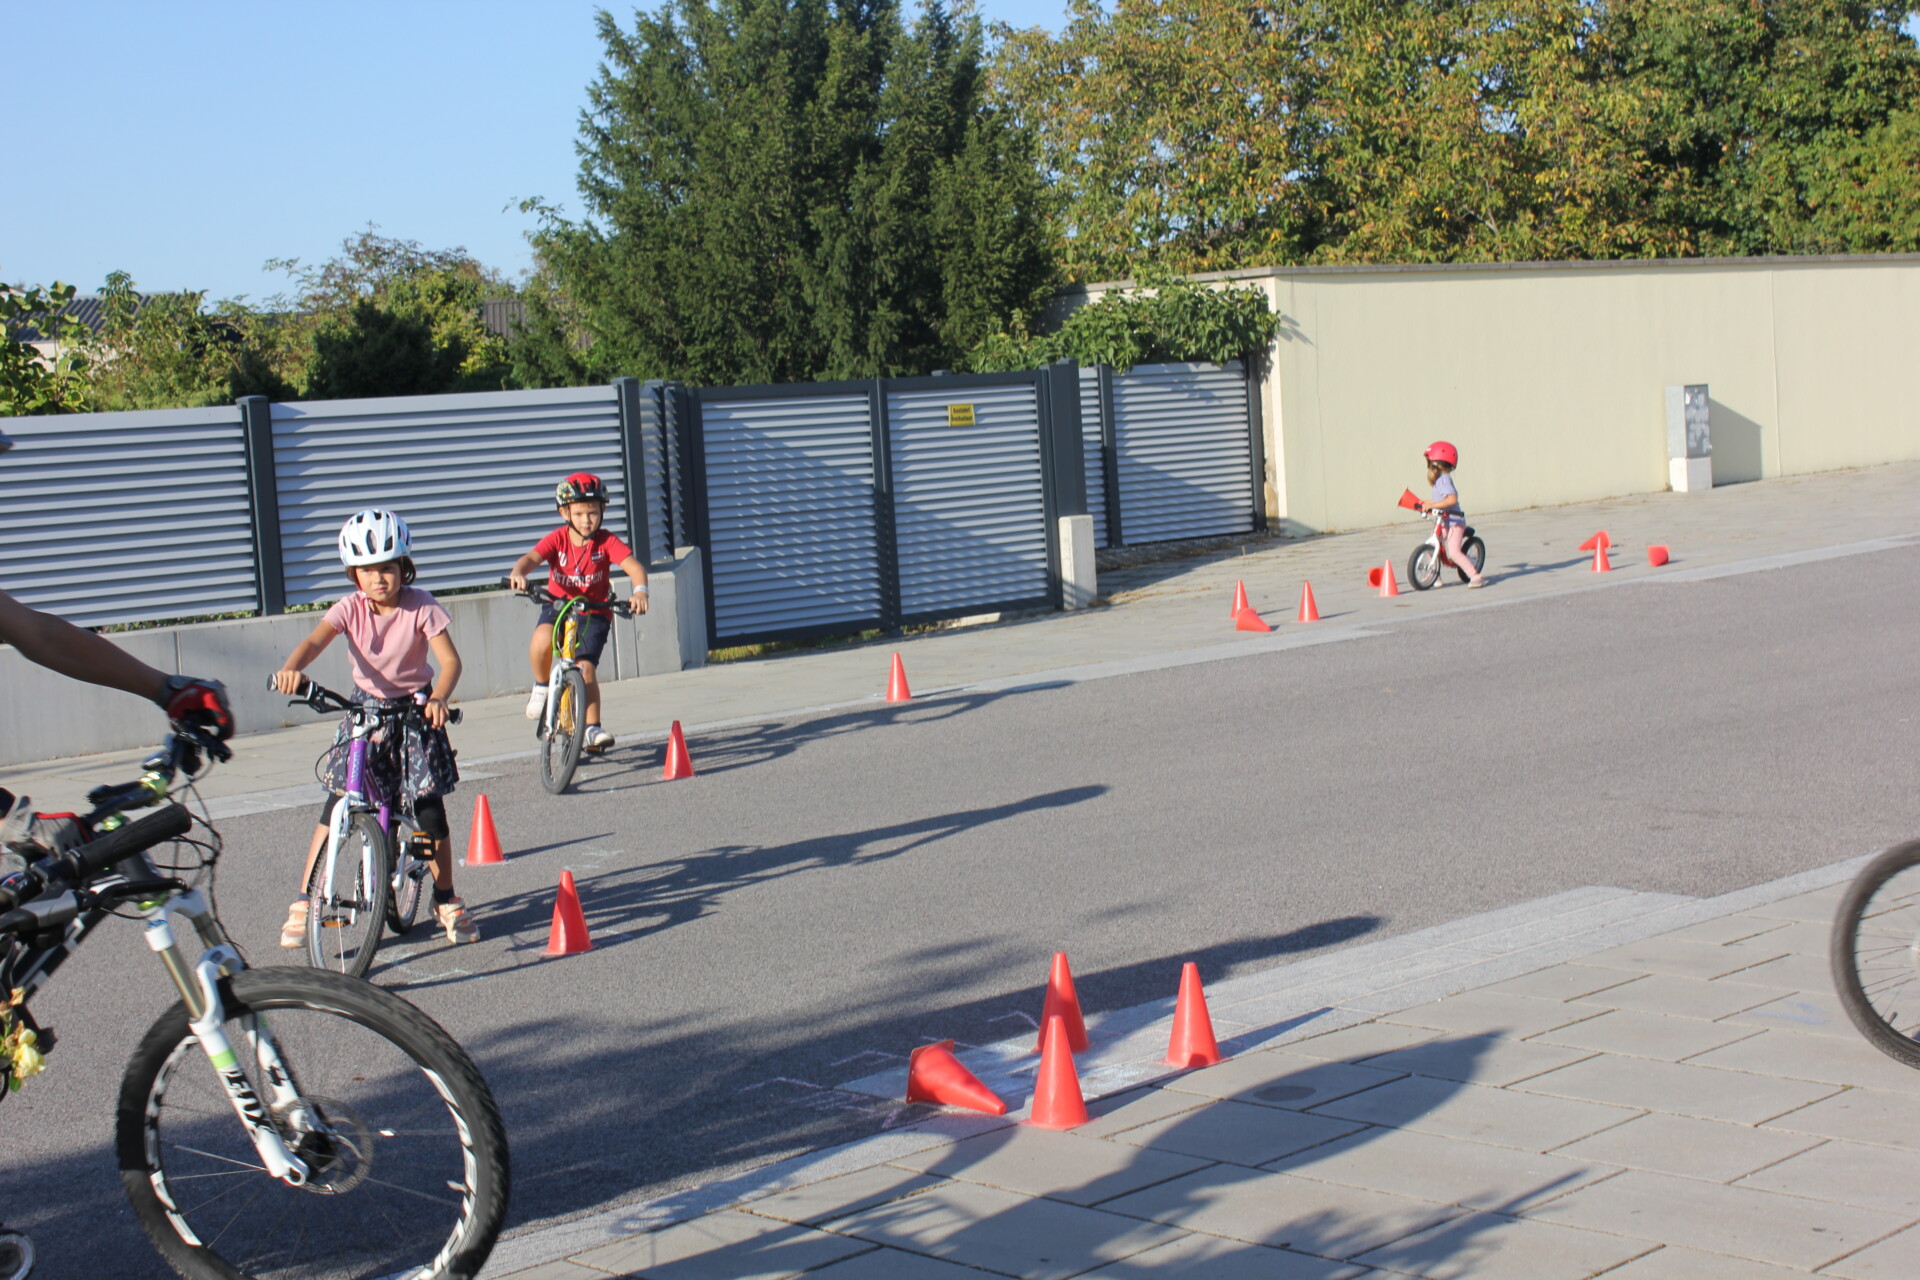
1874 952
407 1157
560 753
345 915
403 901
1423 567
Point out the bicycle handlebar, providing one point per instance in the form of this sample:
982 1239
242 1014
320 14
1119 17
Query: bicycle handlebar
320 698
537 593
82 863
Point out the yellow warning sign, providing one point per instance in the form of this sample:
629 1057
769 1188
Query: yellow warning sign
959 415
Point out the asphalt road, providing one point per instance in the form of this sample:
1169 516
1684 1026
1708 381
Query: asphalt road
835 889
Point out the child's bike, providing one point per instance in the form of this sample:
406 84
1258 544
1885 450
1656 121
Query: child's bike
562 729
283 1122
1874 952
1423 566
370 872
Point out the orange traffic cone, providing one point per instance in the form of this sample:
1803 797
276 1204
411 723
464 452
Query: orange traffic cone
1057 1101
483 843
1600 539
1388 587
1656 555
1063 1002
1408 500
1192 1044
1248 620
935 1075
1600 564
679 763
1239 601
1309 612
897 690
568 937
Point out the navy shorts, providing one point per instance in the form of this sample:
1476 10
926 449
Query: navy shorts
592 637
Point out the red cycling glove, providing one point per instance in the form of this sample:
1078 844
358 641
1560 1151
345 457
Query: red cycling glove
198 702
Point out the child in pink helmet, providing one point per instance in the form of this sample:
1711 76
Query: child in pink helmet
1442 458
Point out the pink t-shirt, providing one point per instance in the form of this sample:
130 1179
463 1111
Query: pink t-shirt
389 651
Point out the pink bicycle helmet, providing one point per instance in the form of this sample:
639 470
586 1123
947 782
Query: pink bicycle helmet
1441 451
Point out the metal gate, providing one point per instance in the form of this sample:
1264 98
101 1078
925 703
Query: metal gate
1177 453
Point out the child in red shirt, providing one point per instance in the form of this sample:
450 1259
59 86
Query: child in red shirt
580 556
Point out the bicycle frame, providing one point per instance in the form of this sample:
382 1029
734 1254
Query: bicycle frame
362 795
566 638
1437 540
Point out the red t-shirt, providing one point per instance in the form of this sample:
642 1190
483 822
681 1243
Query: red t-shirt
583 569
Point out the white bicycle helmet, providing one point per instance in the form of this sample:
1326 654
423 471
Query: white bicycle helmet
374 537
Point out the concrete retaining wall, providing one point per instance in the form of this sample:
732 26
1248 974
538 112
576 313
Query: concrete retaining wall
44 715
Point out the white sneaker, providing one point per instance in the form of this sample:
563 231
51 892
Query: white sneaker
598 739
537 702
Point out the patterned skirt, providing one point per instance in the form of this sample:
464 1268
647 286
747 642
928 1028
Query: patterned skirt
409 760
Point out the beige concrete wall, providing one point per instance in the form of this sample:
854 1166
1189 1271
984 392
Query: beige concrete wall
1551 379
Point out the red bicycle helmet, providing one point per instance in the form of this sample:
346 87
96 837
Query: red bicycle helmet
1441 451
581 486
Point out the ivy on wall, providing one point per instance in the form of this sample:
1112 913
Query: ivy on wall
1166 317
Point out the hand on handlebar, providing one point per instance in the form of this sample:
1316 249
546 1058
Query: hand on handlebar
517 580
287 682
197 703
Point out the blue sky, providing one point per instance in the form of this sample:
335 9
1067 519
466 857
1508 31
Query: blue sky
188 142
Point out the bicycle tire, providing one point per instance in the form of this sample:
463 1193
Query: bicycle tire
1423 567
560 753
1874 953
403 899
394 1090
1476 551
344 934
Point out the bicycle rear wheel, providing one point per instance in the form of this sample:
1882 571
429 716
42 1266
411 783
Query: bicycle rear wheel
343 927
1874 952
560 753
1476 551
407 1156
403 901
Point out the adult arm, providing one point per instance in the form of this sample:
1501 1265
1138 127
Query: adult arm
73 651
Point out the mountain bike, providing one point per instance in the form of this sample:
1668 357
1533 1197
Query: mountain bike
1874 952
286 1122
370 873
1423 566
562 728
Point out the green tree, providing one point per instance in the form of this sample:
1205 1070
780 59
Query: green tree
31 383
783 190
167 351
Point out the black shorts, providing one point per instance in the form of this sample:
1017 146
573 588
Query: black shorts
594 626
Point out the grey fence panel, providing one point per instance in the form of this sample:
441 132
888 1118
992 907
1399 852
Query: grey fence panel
472 474
1185 451
969 506
653 449
792 538
167 526
674 412
1092 420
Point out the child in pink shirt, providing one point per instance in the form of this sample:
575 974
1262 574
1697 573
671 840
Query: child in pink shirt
392 629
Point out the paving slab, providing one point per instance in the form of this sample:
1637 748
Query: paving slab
1446 1170
1485 1011
1216 1258
1818 907
1792 971
1278 1078
817 1202
1833 1059
1561 982
1809 1013
1742 927
1847 1173
1647 1035
1237 1132
1870 1116
1280 1209
1671 1262
897 1264
722 1246
1762 1225
1002 1231
1490 1247
1134 1108
1493 1060
1502 1117
1043 1162
1363 1042
1680 1088
1683 997
1895 1258
561 1270
1800 937
1689 1148
1681 958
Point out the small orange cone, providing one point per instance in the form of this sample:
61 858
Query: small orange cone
1057 1101
1384 580
1063 1002
1192 1044
483 844
568 937
679 763
1239 601
1408 500
897 690
1248 620
1600 539
935 1075
1309 611
1600 564
1656 555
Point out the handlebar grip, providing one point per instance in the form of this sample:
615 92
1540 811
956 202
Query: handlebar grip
95 856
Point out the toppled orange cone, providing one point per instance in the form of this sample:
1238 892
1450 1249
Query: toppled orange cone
1248 620
1057 1101
935 1075
568 936
1657 555
1063 1002
483 843
1600 564
1239 601
679 763
1309 611
1600 539
1192 1044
